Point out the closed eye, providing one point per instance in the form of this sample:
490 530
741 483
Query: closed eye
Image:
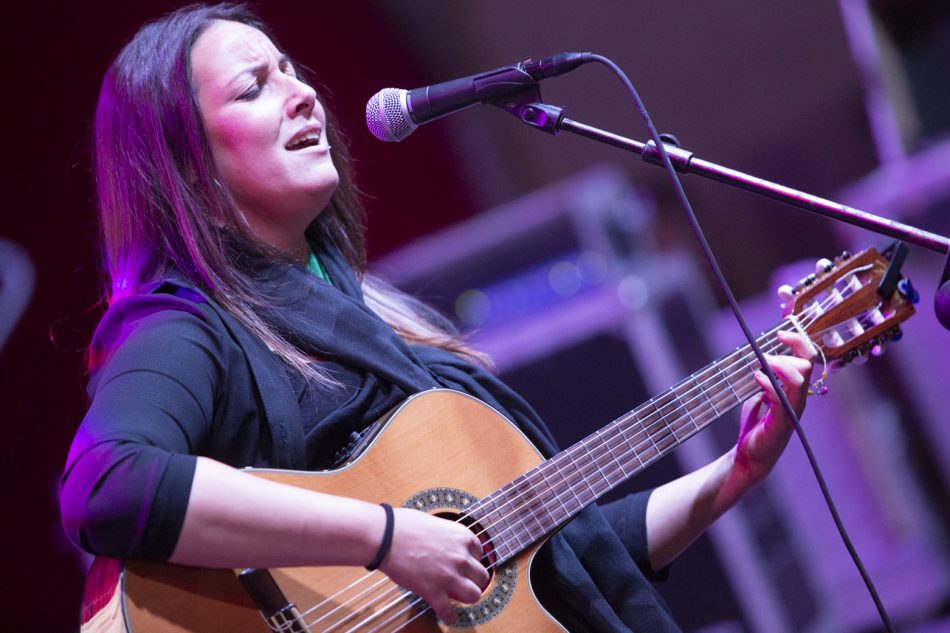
251 93
260 74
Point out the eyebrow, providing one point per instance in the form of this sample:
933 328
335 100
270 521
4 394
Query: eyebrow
258 67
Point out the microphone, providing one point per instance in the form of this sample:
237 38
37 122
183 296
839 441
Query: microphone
393 113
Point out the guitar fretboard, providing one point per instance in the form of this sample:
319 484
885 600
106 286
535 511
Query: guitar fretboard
538 502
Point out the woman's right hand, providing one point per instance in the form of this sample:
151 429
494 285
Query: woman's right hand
436 559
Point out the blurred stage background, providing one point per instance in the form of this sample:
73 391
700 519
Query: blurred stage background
587 259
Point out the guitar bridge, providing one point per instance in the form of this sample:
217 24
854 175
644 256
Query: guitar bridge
279 613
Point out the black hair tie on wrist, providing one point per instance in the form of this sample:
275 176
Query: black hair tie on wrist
387 539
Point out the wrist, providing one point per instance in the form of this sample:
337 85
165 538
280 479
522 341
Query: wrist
742 476
385 543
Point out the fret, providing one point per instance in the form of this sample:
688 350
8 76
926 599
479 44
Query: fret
604 460
570 462
623 434
512 510
518 514
667 441
593 460
505 536
614 437
728 378
724 396
526 509
492 518
562 484
564 491
610 468
626 460
539 502
644 440
704 381
590 474
667 406
667 411
514 532
654 427
479 510
586 496
530 525
544 491
716 404
686 409
506 517
650 450
504 549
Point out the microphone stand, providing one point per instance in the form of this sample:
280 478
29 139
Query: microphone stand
551 119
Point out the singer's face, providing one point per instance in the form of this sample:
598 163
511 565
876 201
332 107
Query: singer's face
267 132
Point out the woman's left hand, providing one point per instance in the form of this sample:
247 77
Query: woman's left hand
679 511
764 427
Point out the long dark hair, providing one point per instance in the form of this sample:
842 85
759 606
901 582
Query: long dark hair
163 210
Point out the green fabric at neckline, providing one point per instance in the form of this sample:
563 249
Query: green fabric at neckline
315 267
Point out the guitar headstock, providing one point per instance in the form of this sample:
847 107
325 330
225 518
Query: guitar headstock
854 304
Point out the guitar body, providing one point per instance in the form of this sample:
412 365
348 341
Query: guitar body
438 451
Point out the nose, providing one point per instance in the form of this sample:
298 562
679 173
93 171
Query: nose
301 99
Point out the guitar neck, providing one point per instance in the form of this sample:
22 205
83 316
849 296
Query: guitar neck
540 501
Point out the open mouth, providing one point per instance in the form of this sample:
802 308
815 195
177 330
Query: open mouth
303 143
305 139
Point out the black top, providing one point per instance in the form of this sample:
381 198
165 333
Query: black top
175 376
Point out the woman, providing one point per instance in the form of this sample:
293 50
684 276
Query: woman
241 331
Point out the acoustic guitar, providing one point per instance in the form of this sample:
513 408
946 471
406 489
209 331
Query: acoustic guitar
449 454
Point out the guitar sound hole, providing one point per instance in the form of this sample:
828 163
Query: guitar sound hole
456 505
489 558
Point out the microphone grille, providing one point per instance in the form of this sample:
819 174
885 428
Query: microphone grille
387 115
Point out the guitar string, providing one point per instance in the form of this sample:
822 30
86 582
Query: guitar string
742 358
380 580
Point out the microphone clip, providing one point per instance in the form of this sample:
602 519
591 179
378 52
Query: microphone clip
526 106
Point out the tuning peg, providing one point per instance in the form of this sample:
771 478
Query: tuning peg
786 293
824 266
878 350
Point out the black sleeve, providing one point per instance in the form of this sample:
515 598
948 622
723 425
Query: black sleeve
128 476
628 518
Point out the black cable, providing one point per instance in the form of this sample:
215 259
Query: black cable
724 285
